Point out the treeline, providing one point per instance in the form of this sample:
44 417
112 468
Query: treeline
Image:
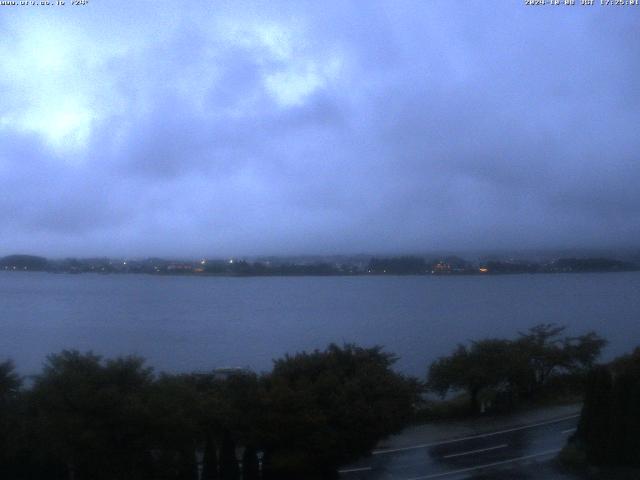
244 268
609 430
399 265
410 265
24 262
592 265
497 373
87 418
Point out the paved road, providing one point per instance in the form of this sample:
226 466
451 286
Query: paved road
499 454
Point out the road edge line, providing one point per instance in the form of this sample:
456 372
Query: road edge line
471 437
486 465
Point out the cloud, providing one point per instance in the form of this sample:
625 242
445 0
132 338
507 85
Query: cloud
246 129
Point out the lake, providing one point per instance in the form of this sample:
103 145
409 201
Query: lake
198 323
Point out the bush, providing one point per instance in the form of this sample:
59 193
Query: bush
329 407
609 428
93 419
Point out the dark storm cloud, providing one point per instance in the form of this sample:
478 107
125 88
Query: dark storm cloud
345 127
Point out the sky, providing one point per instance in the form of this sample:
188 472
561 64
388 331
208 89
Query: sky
212 128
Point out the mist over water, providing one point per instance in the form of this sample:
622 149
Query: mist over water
188 323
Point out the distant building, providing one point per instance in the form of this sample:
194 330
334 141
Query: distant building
441 267
179 267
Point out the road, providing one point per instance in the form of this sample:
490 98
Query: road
505 453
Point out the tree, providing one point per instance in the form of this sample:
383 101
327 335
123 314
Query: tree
227 415
329 407
174 409
609 427
91 415
521 367
10 382
548 353
485 364
10 424
583 351
543 349
594 427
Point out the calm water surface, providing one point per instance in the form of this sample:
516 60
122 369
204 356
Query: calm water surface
188 323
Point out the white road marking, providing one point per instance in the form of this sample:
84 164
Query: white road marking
568 430
483 435
352 470
480 450
486 465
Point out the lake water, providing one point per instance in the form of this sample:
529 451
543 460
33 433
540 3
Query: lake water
191 323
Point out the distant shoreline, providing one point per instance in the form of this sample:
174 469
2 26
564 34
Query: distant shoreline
276 275
375 266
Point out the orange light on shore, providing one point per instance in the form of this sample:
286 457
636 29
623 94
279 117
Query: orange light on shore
483 270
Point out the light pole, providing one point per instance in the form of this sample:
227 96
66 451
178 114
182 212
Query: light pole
199 461
239 456
260 455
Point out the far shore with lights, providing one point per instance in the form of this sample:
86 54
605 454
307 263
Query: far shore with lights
315 266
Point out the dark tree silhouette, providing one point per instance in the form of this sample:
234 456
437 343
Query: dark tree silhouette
326 408
521 367
609 428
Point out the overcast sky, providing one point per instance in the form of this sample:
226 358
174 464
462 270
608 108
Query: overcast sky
232 128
